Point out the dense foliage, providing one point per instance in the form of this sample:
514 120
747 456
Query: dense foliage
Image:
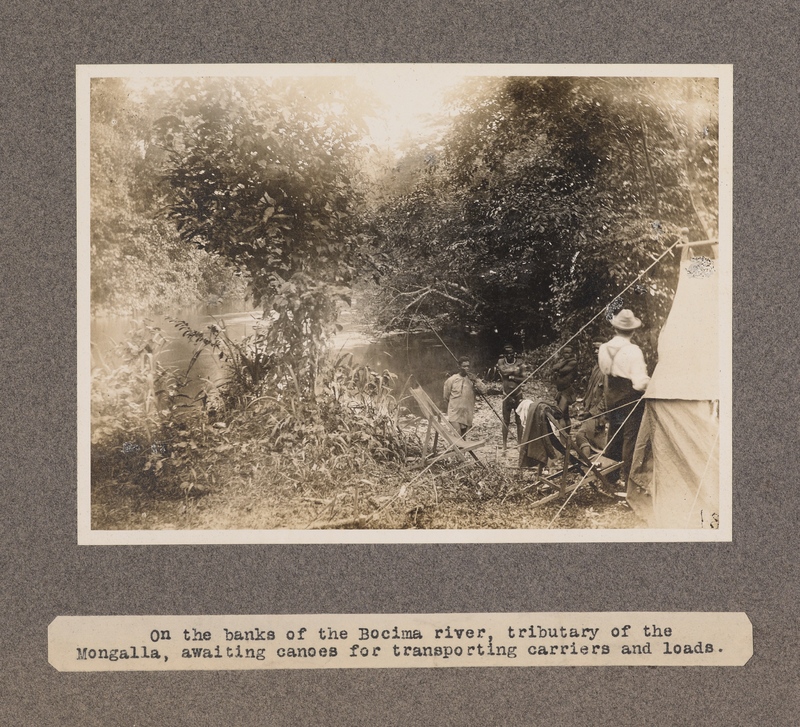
260 177
138 261
150 431
264 174
544 200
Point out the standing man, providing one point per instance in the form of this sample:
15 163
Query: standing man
511 374
591 431
565 371
623 364
459 396
594 398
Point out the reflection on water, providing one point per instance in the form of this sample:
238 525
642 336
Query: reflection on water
108 331
420 354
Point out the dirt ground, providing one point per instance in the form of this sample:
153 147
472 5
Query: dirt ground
588 507
265 494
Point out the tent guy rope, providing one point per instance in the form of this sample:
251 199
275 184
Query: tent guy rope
594 317
583 479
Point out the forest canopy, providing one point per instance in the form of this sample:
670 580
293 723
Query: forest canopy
531 202
544 199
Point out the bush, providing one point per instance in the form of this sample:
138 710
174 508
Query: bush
142 420
147 431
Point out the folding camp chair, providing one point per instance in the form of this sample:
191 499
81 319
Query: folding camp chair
438 426
591 471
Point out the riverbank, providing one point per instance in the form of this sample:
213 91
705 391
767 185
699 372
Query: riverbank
241 482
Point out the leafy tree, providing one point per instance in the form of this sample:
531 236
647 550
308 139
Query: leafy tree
138 260
548 197
263 173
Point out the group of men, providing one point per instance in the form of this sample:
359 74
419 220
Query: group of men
620 373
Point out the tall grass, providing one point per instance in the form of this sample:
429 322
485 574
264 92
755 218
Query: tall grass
147 430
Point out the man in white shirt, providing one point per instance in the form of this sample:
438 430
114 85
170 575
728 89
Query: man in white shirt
459 396
623 364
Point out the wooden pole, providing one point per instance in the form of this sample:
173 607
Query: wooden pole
697 243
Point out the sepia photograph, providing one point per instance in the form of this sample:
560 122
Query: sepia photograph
404 303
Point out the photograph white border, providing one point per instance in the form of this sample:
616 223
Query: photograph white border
87 536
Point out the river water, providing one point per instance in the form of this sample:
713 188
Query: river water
420 354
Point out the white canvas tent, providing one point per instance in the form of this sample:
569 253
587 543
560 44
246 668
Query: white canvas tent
674 479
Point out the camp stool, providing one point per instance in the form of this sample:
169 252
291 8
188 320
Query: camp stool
438 425
590 471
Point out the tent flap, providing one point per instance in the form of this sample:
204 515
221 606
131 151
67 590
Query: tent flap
688 346
674 479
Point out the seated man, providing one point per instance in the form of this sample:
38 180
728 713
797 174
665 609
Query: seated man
590 435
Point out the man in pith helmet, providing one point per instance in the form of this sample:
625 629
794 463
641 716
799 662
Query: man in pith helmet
623 364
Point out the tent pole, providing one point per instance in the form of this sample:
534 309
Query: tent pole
697 243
